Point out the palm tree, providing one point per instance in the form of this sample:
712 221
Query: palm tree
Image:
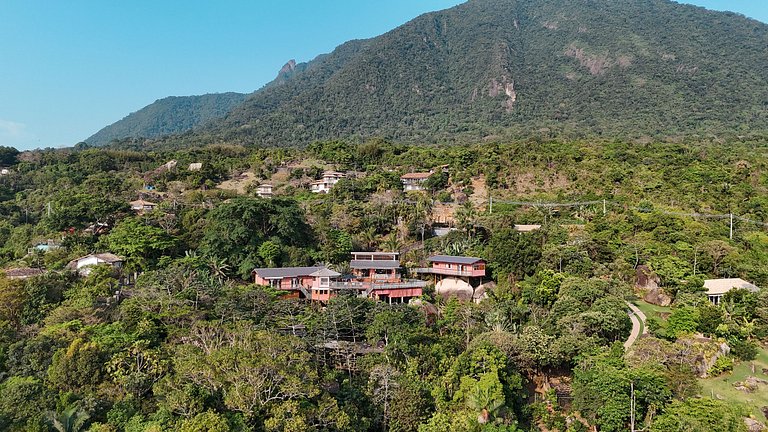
71 419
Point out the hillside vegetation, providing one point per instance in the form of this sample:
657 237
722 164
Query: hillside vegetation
190 343
168 116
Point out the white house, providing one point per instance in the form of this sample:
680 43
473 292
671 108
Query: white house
717 288
84 265
327 182
4 171
415 181
196 166
264 191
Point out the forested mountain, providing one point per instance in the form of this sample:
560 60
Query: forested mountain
167 116
511 68
489 67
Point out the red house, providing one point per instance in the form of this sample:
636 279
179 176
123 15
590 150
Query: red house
298 281
457 266
457 276
375 275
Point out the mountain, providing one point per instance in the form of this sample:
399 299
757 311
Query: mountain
516 68
167 116
488 67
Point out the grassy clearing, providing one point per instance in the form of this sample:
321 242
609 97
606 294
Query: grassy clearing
651 311
722 387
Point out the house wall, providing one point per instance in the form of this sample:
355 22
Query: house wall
474 270
397 293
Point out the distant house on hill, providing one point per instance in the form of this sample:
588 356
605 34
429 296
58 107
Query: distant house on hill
527 228
141 206
4 171
22 273
717 288
196 166
327 182
84 265
264 191
415 181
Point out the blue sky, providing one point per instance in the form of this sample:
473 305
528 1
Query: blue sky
68 68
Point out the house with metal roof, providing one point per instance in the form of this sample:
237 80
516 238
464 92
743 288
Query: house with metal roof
456 276
374 275
717 288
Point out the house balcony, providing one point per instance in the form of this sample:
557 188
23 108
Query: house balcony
369 287
452 272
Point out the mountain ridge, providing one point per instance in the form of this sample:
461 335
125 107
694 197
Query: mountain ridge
489 68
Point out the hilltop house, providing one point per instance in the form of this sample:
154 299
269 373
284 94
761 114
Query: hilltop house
717 288
195 166
327 182
84 265
264 191
457 276
140 206
4 171
375 275
415 181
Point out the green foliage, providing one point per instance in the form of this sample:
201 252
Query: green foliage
722 365
699 415
142 245
167 116
446 89
683 321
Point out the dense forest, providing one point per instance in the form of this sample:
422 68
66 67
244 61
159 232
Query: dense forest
181 339
505 69
167 116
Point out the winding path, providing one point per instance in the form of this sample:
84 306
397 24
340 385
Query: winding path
638 321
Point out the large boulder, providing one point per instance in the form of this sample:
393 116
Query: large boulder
452 287
645 278
657 297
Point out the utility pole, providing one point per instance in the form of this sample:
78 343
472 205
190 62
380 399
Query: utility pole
490 197
731 234
603 207
632 407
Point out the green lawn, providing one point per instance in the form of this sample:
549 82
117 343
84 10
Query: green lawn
722 386
651 311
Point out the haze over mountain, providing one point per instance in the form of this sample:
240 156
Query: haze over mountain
516 67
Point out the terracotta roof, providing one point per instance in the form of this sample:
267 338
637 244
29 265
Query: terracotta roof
454 259
22 273
416 176
722 286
